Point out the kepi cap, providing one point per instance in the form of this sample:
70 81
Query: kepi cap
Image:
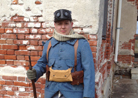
62 14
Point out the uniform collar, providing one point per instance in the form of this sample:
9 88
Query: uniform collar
55 42
72 41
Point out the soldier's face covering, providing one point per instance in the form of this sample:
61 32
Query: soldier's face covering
63 27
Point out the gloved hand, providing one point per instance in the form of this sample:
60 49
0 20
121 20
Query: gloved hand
31 74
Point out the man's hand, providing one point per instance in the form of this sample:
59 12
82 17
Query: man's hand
31 74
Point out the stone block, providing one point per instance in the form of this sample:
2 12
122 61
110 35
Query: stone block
134 73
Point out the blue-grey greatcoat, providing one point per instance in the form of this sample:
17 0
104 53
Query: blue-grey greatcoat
61 57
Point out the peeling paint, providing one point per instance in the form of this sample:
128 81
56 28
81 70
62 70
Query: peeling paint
31 47
10 71
18 25
97 76
25 42
8 88
8 31
48 36
34 30
77 30
48 30
16 93
37 25
34 36
22 89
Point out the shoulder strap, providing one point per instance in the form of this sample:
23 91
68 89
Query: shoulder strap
48 48
75 52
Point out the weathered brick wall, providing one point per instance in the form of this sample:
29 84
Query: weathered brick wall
126 48
105 60
20 37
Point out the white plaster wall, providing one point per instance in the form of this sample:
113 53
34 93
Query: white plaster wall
85 13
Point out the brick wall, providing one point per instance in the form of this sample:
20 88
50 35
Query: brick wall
20 37
105 60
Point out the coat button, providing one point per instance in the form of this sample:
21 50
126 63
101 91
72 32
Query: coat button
60 58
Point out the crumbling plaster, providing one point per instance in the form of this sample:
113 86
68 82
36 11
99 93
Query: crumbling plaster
128 26
85 13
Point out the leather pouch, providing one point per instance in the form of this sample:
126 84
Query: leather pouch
77 77
60 75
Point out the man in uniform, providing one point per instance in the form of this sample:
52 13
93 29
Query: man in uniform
60 57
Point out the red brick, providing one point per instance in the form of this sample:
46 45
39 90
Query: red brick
34 47
94 49
9 83
33 37
49 30
10 52
46 37
34 19
94 54
15 1
40 42
9 47
21 42
21 36
37 25
8 24
1 56
93 43
35 58
34 53
10 93
29 25
9 36
43 81
23 47
2 61
21 78
9 62
26 57
42 31
17 18
20 57
11 57
3 92
40 53
38 2
14 88
2 30
21 84
33 42
33 63
9 41
2 51
92 37
2 82
20 25
22 30
23 94
8 30
33 30
2 41
23 63
22 52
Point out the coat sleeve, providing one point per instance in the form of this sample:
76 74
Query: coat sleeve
40 66
89 71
